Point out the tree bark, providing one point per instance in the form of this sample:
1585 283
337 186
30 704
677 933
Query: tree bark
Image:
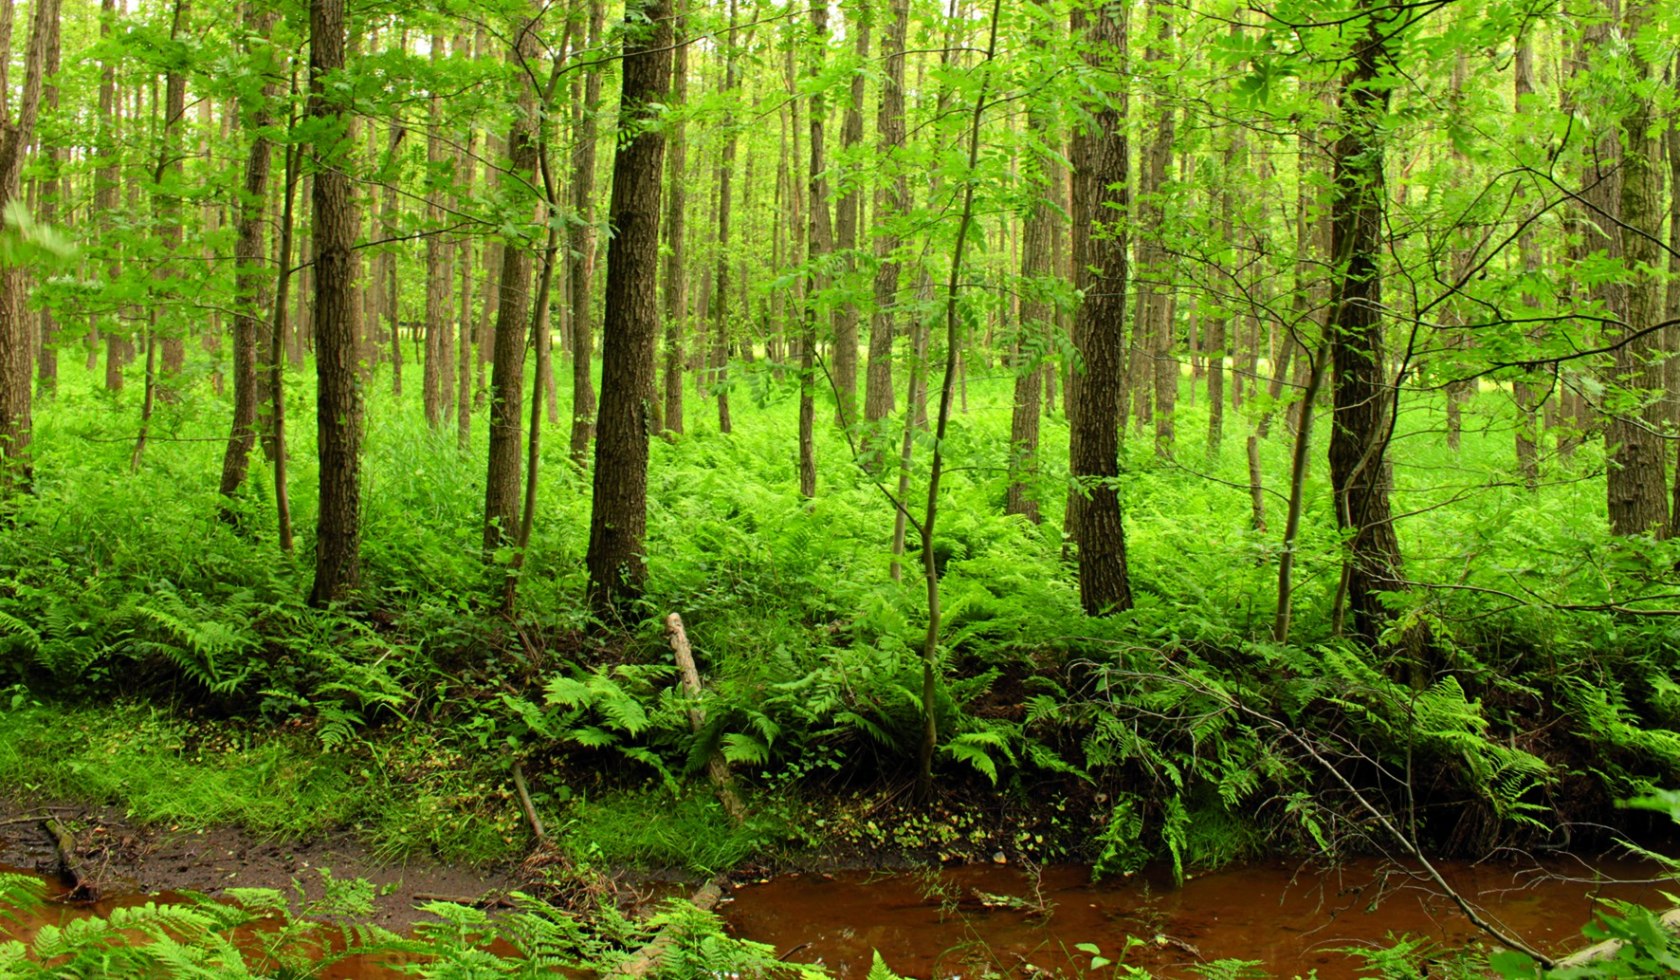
676 270
16 466
618 516
250 275
721 330
439 274
513 309
1363 396
581 270
1637 491
846 220
338 405
1100 201
892 197
819 239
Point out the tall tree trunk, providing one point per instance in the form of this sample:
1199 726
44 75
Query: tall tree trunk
1152 333
338 402
16 467
819 245
1638 494
1523 390
892 197
1363 396
439 274
51 189
507 376
582 265
676 270
1034 321
1100 202
618 516
168 180
250 274
721 330
846 215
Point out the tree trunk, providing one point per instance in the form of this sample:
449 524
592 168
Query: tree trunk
721 330
846 220
892 197
1363 396
1152 334
581 270
676 271
168 180
819 245
618 516
250 275
513 309
1034 320
16 469
1638 497
1099 201
338 405
439 274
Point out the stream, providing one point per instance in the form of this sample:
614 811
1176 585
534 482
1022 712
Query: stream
1291 917
962 922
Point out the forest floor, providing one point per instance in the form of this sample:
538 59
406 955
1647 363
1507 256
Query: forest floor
127 857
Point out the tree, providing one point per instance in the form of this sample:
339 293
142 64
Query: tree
892 197
618 514
1100 201
676 228
513 309
1363 395
338 405
250 276
16 325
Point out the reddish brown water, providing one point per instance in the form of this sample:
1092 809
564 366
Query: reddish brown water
1291 918
961 921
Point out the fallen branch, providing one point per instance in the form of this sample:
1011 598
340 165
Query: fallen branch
648 957
525 804
1599 952
716 767
1405 842
83 888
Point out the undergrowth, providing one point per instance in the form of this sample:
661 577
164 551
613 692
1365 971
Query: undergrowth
1178 730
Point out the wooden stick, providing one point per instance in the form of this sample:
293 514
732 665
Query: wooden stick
1598 952
82 887
525 804
641 964
716 767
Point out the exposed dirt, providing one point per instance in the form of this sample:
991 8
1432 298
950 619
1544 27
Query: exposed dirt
124 858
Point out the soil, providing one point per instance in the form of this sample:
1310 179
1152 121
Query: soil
122 857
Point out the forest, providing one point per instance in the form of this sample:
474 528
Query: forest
569 467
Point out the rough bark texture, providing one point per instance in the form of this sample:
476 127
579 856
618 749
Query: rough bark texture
1033 328
581 271
338 406
251 276
676 272
1638 493
16 471
618 517
1528 420
173 344
435 373
846 214
513 310
891 198
721 329
1100 203
1152 333
819 244
1363 397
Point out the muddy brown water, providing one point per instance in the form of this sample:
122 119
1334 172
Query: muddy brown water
966 921
962 922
